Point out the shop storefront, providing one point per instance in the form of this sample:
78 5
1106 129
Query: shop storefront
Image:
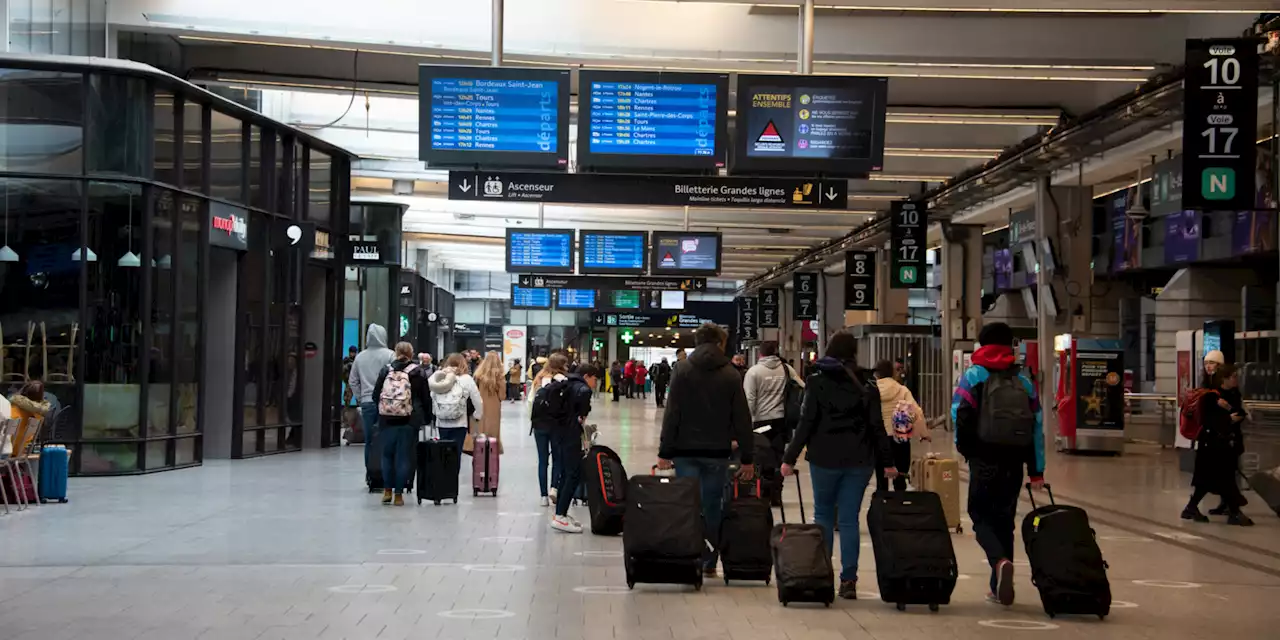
167 266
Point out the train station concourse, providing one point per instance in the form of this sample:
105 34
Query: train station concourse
541 318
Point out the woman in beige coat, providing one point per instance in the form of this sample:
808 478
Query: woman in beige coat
894 396
490 380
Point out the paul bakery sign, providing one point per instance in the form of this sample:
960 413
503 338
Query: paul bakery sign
228 227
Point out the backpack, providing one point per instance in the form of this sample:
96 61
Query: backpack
1007 418
552 405
792 398
397 394
450 405
1191 421
903 421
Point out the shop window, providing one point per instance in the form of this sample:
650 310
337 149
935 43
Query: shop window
255 291
164 285
226 165
157 454
281 148
97 458
193 146
320 189
185 451
117 124
41 121
165 149
187 269
257 194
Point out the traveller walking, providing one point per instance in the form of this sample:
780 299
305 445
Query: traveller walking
535 367
425 364
766 386
661 373
998 430
629 378
401 391
615 379
489 380
365 369
1212 361
567 439
706 420
1218 448
556 370
452 387
841 427
903 418
641 374
515 380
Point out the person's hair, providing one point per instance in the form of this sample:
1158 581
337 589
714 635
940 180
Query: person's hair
589 371
352 348
458 363
556 364
404 351
769 348
709 333
1224 373
843 347
33 390
489 375
996 333
884 369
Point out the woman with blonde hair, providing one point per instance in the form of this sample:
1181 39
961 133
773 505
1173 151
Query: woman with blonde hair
490 379
452 387
556 369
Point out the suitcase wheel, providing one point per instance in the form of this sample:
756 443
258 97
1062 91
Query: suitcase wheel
437 503
934 607
960 528
455 501
475 492
1102 616
902 605
767 579
495 493
827 605
784 603
726 581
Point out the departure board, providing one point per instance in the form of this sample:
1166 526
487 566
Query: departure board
686 253
530 297
650 120
575 298
625 299
616 252
539 251
494 117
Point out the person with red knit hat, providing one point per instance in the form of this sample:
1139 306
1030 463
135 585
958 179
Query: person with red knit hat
998 428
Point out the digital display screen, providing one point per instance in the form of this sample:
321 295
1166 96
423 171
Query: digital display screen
575 298
619 252
530 297
831 125
661 121
625 299
494 117
539 251
673 300
686 253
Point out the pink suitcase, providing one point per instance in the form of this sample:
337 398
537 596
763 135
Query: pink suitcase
484 466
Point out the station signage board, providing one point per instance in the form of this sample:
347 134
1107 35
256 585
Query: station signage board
605 283
672 320
1220 124
805 296
860 281
748 316
908 224
769 299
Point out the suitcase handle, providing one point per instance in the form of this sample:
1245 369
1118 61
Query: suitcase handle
795 473
1031 494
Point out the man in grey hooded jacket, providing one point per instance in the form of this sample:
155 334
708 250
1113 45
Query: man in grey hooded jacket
766 388
365 370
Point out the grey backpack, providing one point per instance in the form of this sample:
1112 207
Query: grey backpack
1007 418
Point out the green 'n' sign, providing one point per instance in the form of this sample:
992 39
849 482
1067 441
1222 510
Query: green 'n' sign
1220 124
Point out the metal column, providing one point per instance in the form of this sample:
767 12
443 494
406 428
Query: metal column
495 55
1044 324
806 37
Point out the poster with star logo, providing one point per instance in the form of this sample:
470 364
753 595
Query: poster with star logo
1100 389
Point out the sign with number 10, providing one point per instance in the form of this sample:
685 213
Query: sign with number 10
1220 124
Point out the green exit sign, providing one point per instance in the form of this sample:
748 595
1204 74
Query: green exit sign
1218 183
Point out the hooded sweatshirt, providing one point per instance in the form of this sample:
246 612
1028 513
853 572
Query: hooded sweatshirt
840 422
442 381
369 363
766 388
966 411
706 409
891 393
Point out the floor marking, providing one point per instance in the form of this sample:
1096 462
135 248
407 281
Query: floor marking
506 539
1169 584
1125 539
869 595
598 554
401 552
494 568
476 614
1176 535
364 588
602 591
1123 604
1019 625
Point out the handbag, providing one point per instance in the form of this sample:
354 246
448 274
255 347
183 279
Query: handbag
469 443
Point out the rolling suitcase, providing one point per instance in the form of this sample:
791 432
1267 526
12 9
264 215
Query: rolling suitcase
915 561
353 426
663 539
940 475
484 466
1066 563
1267 485
439 462
52 483
744 532
606 484
801 560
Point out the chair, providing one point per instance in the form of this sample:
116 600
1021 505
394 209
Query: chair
13 348
8 427
69 347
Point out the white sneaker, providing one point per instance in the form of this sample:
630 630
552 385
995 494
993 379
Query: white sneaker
553 496
565 524
544 502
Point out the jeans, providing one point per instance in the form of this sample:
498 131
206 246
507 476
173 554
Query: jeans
567 445
712 474
901 460
837 494
457 435
542 442
660 394
398 443
993 503
369 415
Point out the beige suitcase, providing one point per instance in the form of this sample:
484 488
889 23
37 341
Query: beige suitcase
941 476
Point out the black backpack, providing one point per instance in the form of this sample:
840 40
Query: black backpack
792 398
1006 417
553 405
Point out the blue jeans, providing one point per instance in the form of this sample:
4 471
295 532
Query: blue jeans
369 415
456 435
712 474
542 441
398 443
837 493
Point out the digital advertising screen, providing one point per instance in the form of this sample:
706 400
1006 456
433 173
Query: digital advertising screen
660 121
673 300
575 298
539 251
686 253
612 252
624 299
827 125
530 297
491 117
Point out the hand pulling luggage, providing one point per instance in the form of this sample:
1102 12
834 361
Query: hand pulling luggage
663 539
1066 563
606 484
54 461
801 560
744 532
915 561
1267 485
484 466
940 475
439 462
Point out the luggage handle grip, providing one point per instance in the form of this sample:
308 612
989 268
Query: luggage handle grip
795 473
1031 494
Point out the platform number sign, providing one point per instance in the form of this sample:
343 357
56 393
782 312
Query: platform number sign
1220 125
748 318
769 307
860 281
804 296
907 226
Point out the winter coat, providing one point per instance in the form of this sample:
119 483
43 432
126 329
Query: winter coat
891 393
966 411
370 363
840 421
1220 443
442 382
706 409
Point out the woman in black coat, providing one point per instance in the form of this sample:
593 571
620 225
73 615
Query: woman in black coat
1218 448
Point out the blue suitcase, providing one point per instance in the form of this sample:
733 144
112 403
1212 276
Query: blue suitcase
53 473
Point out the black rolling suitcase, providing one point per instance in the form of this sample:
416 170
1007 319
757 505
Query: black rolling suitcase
662 541
438 462
801 560
1066 563
606 488
744 532
915 561
1267 485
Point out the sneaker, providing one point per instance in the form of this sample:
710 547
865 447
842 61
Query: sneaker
386 496
1193 514
565 524
1239 519
544 502
849 589
1004 582
399 501
554 495
992 599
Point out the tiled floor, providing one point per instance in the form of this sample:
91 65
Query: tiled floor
292 547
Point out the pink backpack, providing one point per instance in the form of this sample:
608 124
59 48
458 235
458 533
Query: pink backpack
397 394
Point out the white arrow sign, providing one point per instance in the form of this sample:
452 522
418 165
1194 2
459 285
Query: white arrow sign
465 186
831 194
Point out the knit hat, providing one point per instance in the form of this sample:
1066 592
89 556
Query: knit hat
1215 356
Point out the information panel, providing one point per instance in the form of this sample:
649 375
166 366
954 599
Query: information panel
652 120
804 305
575 298
612 252
530 298
494 117
801 124
539 251
624 299
860 280
686 253
908 223
1221 124
748 329
770 301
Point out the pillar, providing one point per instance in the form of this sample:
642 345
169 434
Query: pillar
495 54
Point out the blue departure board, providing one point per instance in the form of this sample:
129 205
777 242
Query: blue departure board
494 115
575 298
539 251
617 252
530 297
653 118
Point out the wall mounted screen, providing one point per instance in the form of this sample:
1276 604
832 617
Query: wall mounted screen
575 298
673 301
539 251
686 253
530 297
493 118
805 125
612 252
624 299
658 121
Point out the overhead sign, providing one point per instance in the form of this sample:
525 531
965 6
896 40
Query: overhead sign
651 190
672 320
769 300
605 283
860 280
228 226
363 250
1166 188
747 318
296 237
1220 124
804 305
907 226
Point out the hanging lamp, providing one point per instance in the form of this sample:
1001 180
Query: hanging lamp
7 254
130 259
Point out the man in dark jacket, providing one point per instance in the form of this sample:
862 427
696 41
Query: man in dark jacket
661 373
995 469
566 440
705 420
